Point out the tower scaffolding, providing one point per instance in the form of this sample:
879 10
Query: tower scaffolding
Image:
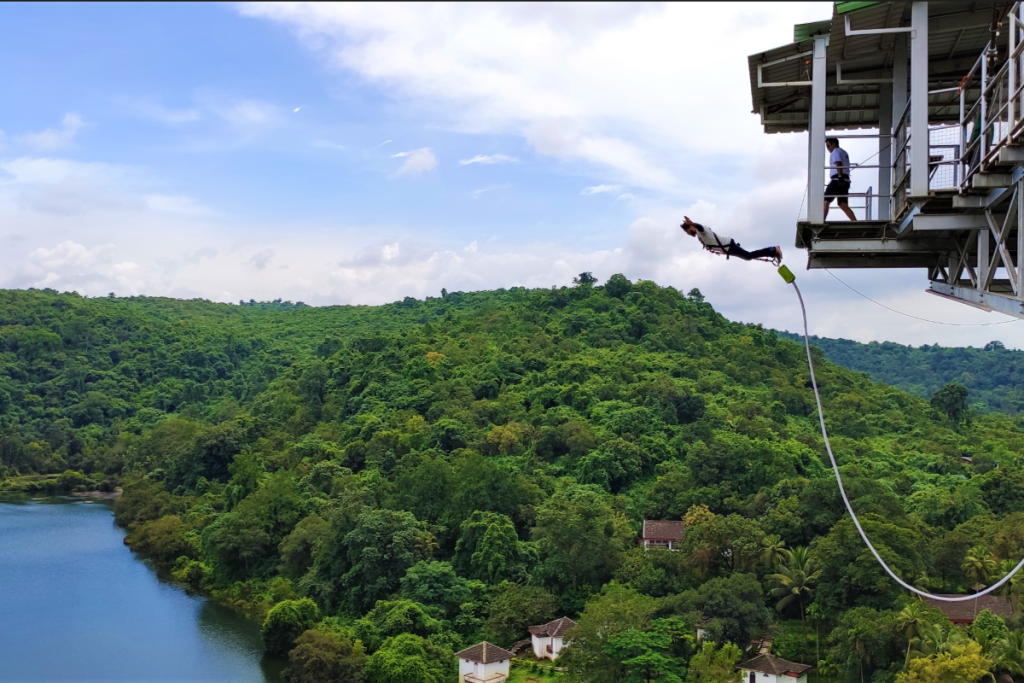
950 74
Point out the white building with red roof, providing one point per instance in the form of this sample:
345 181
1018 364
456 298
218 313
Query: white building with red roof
484 663
767 668
663 533
549 638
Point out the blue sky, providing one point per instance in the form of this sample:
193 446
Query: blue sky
363 153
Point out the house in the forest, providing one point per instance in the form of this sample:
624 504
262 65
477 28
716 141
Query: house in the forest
549 638
484 663
966 611
767 668
660 533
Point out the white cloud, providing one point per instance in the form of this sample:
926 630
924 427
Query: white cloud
324 144
296 110
55 138
416 161
475 194
630 93
259 261
600 189
488 159
248 113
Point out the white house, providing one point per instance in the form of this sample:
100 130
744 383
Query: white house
483 663
549 638
659 533
768 668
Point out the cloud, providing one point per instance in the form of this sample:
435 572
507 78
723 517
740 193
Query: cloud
248 113
600 189
488 159
624 97
259 261
416 161
386 142
475 194
296 110
324 144
55 138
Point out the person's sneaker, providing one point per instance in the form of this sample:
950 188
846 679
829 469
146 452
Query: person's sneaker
778 255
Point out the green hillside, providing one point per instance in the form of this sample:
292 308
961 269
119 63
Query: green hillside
994 374
383 486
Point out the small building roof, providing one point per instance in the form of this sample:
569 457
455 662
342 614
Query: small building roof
966 611
553 629
663 530
484 653
770 664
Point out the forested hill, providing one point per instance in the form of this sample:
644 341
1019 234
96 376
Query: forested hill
994 374
383 486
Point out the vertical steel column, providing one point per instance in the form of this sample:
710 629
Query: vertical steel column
919 100
1020 239
900 83
885 152
816 135
983 260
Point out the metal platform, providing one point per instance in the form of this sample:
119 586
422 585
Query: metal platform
943 84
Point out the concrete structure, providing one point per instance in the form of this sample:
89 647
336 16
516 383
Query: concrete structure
967 611
484 663
942 83
549 638
663 534
767 668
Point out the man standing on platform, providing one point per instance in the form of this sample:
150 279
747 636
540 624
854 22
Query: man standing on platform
839 186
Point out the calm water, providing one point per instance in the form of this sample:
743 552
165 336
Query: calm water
76 605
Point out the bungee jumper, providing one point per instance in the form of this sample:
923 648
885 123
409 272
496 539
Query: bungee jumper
720 244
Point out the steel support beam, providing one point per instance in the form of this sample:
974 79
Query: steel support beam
919 100
885 153
900 84
816 134
956 221
985 300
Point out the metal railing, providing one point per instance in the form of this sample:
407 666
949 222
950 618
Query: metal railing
996 118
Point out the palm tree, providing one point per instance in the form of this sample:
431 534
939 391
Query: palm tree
931 641
979 565
1008 654
1006 590
910 622
794 583
773 551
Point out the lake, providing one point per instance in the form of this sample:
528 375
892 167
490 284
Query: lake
77 605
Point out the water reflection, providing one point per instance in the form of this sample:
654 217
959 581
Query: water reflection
76 605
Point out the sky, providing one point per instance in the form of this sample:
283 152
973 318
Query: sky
361 153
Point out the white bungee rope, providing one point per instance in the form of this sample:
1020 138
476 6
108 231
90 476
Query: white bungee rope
790 278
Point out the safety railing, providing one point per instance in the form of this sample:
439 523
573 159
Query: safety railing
995 118
901 160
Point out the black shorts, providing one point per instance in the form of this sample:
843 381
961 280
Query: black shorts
838 189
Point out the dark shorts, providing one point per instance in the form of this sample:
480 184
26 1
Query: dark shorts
838 189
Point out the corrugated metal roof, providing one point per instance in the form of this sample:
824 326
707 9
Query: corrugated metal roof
957 34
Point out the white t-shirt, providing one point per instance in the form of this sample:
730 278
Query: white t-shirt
840 156
713 240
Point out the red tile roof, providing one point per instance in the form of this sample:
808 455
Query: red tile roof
770 664
965 612
663 530
553 629
484 653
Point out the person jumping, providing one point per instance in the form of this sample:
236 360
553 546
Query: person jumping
720 244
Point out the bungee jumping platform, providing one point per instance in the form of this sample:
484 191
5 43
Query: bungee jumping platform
940 86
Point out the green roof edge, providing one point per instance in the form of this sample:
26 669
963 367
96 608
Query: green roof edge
848 7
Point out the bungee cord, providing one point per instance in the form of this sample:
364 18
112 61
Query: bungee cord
788 276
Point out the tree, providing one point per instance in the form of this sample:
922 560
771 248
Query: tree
910 623
367 563
617 610
989 627
656 654
715 665
285 622
979 565
733 606
408 658
585 280
773 551
795 581
618 286
299 549
514 608
963 663
951 401
392 618
436 585
490 550
1008 654
577 539
325 658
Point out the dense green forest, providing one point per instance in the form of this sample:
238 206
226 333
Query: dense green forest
382 486
993 374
